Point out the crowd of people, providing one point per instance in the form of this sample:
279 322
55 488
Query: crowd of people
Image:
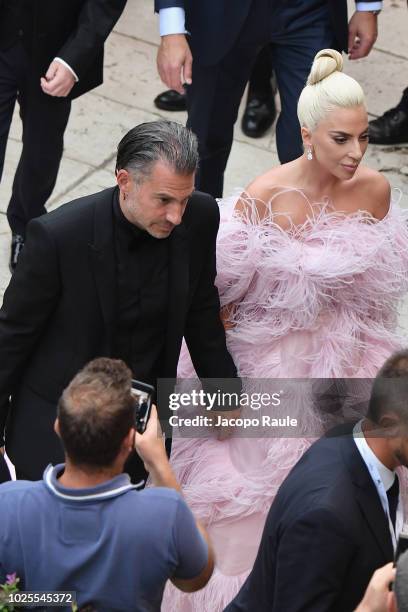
296 279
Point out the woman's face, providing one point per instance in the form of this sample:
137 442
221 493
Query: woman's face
340 141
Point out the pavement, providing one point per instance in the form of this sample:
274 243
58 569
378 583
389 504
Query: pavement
100 118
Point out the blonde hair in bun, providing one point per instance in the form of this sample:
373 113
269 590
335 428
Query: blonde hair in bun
327 87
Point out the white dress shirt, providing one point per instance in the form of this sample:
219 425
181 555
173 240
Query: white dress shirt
383 479
64 63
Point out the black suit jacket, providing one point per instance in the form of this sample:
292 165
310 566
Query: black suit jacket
325 535
75 31
215 24
59 313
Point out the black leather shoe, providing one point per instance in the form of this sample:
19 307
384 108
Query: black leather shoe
390 128
259 115
17 243
171 100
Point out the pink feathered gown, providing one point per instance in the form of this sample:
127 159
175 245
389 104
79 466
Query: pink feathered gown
318 301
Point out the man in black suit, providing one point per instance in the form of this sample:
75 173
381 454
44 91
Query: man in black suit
224 39
50 53
123 273
337 516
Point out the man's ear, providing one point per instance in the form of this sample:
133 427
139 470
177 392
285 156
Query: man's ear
57 427
123 179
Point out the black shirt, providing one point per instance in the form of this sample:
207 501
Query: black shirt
142 297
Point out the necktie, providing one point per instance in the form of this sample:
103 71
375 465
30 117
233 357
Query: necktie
393 494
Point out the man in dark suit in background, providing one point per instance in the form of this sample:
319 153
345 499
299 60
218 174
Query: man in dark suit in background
50 53
337 516
124 273
224 39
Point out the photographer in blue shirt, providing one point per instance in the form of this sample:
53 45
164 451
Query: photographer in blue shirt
85 527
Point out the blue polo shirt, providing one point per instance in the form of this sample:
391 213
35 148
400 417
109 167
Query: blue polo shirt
112 544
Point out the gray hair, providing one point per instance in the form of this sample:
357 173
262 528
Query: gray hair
155 141
401 583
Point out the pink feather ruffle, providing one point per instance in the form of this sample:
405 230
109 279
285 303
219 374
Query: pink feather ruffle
317 301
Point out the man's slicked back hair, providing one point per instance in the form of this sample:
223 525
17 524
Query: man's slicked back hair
165 141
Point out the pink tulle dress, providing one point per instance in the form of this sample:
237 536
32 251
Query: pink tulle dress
317 301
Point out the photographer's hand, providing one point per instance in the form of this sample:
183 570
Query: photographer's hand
150 448
377 595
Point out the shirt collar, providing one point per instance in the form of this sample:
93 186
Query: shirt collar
387 476
111 488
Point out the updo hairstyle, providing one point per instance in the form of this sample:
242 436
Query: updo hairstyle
327 87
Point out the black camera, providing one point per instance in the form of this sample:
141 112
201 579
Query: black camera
143 394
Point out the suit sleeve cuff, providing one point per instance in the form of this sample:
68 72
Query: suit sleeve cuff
61 61
172 21
369 6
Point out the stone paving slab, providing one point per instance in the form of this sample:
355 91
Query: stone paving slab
94 181
99 122
383 77
139 21
393 32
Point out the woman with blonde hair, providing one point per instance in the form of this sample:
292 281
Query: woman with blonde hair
312 262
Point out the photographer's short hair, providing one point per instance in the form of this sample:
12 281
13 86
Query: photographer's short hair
165 141
95 412
390 389
401 583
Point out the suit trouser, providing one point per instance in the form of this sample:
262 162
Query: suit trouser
44 121
214 97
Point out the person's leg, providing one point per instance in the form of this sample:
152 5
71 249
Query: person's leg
213 101
260 80
292 57
214 97
44 122
8 94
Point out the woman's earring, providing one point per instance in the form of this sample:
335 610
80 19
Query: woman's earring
309 153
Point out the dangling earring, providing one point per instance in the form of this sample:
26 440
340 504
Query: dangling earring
309 153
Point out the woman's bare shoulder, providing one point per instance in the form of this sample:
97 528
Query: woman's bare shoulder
375 191
272 193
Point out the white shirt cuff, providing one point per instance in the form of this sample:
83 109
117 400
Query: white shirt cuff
172 21
369 6
61 61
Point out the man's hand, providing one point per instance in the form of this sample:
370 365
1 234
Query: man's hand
362 34
151 449
226 314
58 81
175 62
377 595
150 445
2 450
